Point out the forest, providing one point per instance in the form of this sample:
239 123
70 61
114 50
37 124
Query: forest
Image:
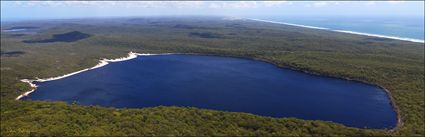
395 65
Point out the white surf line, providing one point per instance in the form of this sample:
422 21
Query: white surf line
291 24
343 31
102 62
381 36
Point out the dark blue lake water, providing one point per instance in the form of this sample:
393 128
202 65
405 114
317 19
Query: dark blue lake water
224 83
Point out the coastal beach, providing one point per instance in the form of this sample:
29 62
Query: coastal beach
342 31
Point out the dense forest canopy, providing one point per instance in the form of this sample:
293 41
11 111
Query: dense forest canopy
393 64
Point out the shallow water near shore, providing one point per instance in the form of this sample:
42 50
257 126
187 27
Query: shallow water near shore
223 83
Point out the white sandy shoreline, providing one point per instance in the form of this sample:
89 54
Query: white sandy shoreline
343 31
102 62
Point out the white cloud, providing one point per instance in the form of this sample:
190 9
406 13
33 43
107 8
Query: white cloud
275 3
233 5
321 4
370 3
395 2
156 4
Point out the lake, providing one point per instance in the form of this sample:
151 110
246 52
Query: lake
223 83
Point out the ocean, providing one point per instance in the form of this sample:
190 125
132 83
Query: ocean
410 28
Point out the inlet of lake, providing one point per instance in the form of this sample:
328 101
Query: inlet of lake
223 83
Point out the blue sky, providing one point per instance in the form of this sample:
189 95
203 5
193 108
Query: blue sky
15 10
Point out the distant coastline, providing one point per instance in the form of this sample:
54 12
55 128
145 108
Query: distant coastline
343 31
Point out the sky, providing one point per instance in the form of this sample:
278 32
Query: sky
29 10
